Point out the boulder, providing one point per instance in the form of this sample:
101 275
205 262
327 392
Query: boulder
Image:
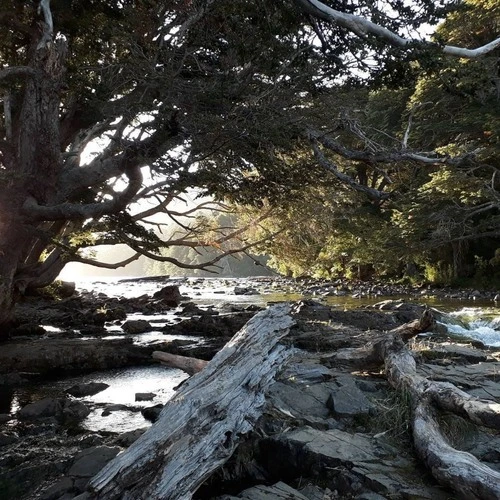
144 396
169 295
135 326
152 412
61 408
89 462
81 390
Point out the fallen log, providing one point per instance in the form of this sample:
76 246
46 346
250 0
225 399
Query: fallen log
456 469
184 363
199 428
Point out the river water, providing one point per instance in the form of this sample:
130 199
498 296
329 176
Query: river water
471 319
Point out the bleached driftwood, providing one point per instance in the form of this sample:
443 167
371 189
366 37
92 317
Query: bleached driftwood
456 469
184 363
200 426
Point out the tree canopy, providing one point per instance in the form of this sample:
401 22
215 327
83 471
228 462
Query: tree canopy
111 110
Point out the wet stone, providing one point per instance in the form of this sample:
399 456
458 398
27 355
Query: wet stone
136 326
89 389
144 396
89 462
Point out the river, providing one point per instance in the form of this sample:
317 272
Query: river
472 319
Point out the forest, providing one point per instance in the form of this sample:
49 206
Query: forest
354 142
340 139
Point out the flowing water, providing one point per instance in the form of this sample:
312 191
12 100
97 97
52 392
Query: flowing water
476 320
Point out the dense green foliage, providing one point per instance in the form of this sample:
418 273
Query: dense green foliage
343 154
438 218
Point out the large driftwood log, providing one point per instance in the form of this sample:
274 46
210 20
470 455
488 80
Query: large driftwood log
184 363
200 426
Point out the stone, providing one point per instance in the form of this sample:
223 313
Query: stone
241 290
135 326
144 396
47 407
61 409
58 489
362 464
74 410
298 401
348 400
89 462
152 412
169 295
81 390
277 491
127 438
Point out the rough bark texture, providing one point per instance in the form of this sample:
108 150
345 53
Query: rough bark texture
199 428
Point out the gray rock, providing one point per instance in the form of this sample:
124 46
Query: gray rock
348 400
58 489
277 491
127 438
144 396
152 413
89 462
61 409
47 407
362 462
74 410
169 295
135 326
81 390
301 402
241 290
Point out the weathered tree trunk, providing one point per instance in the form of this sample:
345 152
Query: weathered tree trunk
199 428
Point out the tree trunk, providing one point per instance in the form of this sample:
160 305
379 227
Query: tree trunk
198 430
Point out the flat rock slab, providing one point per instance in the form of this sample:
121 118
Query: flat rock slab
89 462
454 352
348 400
278 491
481 379
363 460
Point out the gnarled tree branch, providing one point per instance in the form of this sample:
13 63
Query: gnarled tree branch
363 27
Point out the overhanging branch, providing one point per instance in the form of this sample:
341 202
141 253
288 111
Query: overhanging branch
363 27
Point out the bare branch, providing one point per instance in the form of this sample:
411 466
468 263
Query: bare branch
48 29
381 156
372 193
71 211
105 265
363 27
16 71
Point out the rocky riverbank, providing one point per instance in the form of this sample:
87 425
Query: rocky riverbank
331 429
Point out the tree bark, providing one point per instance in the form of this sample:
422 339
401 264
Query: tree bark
199 429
